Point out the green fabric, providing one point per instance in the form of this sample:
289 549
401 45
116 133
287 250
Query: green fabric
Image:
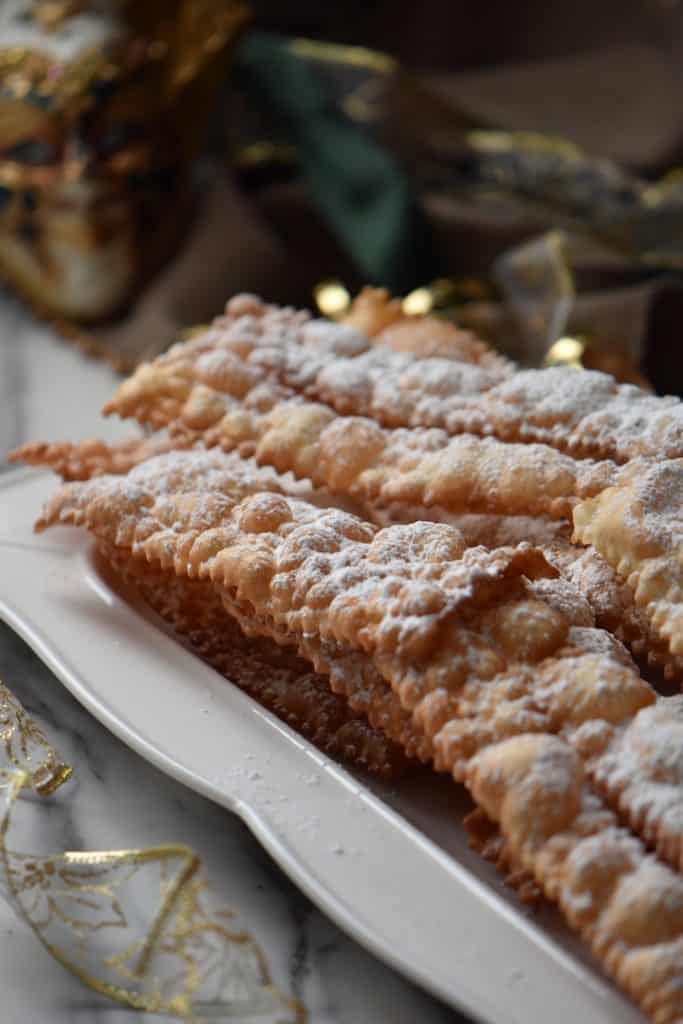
358 188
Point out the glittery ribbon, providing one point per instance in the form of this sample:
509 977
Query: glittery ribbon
138 926
535 280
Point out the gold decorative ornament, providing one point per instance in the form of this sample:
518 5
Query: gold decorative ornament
334 53
332 299
447 293
419 302
566 351
537 285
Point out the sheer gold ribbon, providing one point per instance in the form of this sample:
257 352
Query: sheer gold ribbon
138 926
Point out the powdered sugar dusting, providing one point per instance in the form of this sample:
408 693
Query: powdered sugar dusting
637 526
585 413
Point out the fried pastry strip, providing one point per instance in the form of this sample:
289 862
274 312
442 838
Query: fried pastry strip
426 609
177 477
470 646
274 676
463 640
609 596
637 526
626 904
628 739
314 358
613 601
352 677
484 836
85 459
225 480
373 309
469 643
586 414
355 457
461 474
381 318
350 674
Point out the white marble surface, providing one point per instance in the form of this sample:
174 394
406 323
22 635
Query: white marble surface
49 390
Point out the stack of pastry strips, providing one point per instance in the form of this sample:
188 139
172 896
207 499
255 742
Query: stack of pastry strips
416 553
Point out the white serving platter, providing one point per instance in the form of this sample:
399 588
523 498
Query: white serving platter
390 864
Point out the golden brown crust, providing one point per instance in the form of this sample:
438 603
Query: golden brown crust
375 313
610 597
626 904
350 674
636 526
173 474
373 310
485 837
641 775
86 459
613 602
428 337
468 644
271 674
356 457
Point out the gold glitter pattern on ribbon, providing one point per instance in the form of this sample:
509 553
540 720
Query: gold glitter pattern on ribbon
535 280
138 926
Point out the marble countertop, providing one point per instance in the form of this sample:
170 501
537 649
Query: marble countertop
49 390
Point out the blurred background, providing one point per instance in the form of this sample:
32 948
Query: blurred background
514 167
